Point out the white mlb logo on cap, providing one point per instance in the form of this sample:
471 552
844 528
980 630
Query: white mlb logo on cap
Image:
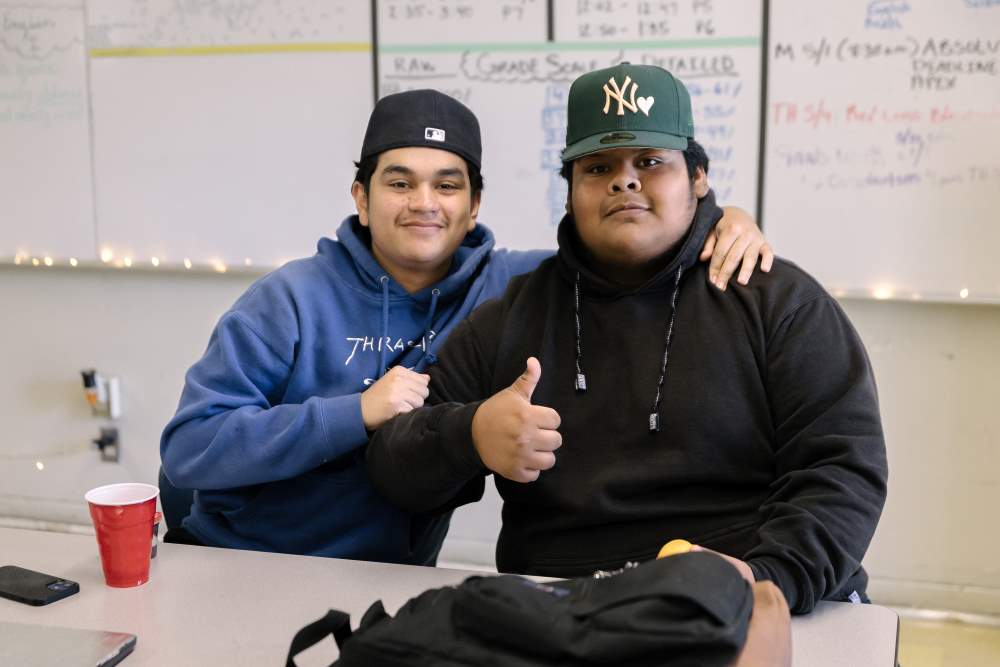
433 134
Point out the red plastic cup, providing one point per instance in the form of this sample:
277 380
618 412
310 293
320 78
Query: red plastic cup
123 517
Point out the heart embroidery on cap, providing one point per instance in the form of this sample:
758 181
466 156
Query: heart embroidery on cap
645 103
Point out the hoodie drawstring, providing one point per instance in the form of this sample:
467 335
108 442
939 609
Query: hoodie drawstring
428 358
385 325
581 379
654 413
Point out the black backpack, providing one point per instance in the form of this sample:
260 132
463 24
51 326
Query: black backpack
690 609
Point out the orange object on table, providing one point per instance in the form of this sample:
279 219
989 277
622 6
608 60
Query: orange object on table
674 547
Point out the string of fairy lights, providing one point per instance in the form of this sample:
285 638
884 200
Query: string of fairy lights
108 259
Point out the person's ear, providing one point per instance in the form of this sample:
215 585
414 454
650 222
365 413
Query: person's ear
700 183
569 191
474 211
360 202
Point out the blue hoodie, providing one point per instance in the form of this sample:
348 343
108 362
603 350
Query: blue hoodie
269 427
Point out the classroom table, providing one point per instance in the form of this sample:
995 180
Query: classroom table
206 606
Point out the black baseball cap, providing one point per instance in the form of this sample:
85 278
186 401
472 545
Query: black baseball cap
423 118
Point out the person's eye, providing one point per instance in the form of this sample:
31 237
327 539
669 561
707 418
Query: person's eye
649 162
597 169
449 186
399 185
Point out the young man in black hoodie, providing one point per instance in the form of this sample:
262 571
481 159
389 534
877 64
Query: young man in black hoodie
622 402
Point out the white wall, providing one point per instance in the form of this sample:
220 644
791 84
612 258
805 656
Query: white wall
143 327
938 371
937 366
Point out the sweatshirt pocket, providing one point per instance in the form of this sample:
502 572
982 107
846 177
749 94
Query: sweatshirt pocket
311 494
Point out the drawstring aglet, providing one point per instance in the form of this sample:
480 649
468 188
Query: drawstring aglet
581 382
654 422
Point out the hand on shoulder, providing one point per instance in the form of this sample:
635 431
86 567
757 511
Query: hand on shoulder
735 241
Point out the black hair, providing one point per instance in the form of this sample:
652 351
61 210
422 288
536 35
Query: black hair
366 169
694 157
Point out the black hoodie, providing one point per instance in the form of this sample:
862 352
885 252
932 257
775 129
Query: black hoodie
770 445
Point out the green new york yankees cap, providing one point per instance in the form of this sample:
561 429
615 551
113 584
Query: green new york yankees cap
627 106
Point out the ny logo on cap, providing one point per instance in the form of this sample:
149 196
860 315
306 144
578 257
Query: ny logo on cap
433 134
634 105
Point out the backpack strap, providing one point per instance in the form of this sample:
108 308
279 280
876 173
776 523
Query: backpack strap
335 623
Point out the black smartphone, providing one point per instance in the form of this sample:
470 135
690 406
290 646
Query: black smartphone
34 588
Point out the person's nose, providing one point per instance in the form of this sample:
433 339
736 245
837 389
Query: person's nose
624 179
423 199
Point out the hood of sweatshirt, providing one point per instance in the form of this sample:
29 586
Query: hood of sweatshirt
366 273
573 260
355 265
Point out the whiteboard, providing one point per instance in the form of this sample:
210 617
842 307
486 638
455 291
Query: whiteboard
883 145
221 130
46 197
517 84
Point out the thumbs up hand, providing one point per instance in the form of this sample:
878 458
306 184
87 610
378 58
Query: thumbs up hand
514 438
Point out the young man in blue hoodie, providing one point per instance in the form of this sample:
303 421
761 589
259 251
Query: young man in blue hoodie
274 419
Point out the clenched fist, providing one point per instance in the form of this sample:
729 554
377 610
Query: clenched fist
398 391
514 438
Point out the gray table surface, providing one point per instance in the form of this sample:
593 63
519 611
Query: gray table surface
222 607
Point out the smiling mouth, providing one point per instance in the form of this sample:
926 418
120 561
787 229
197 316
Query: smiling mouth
422 225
